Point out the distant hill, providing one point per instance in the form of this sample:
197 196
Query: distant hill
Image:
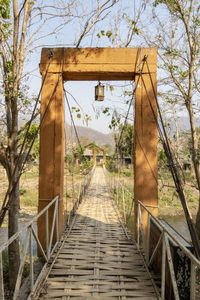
93 135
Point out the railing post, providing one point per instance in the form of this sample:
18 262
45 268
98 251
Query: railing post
142 229
1 278
47 231
171 268
163 267
31 260
138 225
192 281
124 207
79 195
148 237
117 187
57 231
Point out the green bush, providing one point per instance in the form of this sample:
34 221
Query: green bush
128 174
22 190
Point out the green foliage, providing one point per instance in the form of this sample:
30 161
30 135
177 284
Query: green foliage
69 158
108 33
162 159
22 190
115 122
85 117
5 12
128 174
79 152
33 132
111 164
125 145
86 166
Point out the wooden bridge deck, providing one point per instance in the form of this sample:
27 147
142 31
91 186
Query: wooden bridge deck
97 259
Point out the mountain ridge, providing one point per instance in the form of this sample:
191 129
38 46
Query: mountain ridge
93 135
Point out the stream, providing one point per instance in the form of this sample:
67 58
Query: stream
4 235
180 225
177 222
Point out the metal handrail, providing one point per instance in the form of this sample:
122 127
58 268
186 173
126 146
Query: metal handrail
164 239
30 234
118 185
81 192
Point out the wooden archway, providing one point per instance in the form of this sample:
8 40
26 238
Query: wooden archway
97 149
66 64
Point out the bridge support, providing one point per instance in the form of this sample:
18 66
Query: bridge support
51 170
104 157
145 152
97 64
95 157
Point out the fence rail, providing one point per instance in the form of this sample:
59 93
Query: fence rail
165 238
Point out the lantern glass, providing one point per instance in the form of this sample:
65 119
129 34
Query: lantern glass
99 92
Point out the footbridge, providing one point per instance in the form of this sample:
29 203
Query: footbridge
96 256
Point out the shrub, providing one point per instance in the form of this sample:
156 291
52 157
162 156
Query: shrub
22 190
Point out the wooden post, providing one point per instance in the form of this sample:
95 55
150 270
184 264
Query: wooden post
145 152
51 169
97 64
95 157
104 156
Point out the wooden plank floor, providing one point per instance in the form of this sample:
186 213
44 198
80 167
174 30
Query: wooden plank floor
97 260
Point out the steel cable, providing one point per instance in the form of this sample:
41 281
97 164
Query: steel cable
172 166
12 185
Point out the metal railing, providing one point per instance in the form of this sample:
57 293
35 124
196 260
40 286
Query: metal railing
119 191
30 236
82 187
165 238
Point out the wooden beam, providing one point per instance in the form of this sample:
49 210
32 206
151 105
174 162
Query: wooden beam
145 149
51 170
97 63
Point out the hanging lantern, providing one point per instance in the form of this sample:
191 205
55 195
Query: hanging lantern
99 92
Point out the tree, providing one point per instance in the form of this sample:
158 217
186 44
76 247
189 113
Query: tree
178 43
24 26
124 140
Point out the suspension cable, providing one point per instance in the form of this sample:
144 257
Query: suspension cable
172 166
26 134
12 185
72 119
131 101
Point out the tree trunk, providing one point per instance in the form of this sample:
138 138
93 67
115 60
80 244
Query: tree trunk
13 250
13 212
198 219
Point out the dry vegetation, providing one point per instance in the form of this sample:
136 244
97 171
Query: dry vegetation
29 191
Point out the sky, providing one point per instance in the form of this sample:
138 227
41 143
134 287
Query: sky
83 92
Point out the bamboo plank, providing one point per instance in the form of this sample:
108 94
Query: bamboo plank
97 260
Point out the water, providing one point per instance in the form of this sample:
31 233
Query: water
4 235
180 225
177 222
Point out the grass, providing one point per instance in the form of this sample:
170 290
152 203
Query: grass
30 198
169 202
